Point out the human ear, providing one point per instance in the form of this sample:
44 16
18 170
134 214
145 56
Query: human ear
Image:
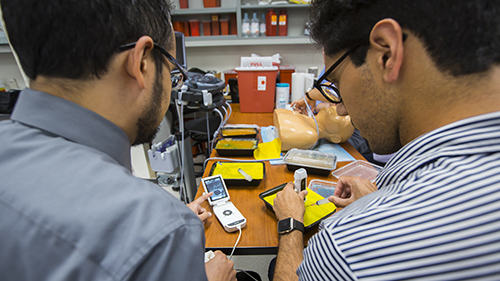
386 39
139 60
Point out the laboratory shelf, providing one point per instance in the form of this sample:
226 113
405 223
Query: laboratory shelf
202 11
213 41
297 14
278 6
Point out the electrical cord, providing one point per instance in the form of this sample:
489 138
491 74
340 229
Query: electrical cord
237 241
181 126
222 123
310 113
232 252
208 132
225 112
230 109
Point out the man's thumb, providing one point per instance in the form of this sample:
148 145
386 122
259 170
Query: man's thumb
339 202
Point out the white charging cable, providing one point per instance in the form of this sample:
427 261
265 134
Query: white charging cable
230 110
180 112
310 113
237 241
222 123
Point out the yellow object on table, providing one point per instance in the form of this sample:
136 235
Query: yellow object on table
314 213
229 170
229 143
232 132
268 150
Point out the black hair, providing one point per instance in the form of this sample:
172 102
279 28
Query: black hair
76 39
461 36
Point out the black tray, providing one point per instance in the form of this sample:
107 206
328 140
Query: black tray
278 189
310 170
240 182
235 152
254 135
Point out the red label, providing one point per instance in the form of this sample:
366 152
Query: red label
256 64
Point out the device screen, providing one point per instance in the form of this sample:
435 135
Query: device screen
216 186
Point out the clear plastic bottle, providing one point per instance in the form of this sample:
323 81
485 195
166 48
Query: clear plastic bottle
254 26
245 26
262 27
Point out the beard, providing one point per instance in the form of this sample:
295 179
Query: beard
148 124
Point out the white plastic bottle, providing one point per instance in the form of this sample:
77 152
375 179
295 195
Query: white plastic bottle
245 26
262 27
254 26
282 94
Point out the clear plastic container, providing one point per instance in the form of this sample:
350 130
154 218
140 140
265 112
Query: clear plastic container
314 162
359 168
323 188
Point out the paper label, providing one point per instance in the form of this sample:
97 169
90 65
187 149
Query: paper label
261 83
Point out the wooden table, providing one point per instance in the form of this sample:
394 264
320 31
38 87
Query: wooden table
260 235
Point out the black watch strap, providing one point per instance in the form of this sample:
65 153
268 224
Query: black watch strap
308 97
288 225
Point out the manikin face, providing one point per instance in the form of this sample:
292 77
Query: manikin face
371 106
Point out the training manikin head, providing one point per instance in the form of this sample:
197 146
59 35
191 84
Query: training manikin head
299 131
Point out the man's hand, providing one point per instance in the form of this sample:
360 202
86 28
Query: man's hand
300 105
196 207
220 268
350 189
289 204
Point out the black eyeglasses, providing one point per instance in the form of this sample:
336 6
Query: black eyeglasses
329 91
177 78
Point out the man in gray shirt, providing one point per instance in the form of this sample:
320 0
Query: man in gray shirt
70 207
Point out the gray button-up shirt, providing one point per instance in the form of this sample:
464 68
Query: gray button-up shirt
70 208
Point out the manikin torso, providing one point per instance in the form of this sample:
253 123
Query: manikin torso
299 131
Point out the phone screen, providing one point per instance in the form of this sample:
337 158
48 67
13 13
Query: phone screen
216 186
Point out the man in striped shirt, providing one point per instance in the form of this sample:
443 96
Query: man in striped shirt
420 78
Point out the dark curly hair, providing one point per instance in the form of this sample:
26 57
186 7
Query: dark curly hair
76 39
462 37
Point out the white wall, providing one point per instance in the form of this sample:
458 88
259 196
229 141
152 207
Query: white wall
9 69
301 56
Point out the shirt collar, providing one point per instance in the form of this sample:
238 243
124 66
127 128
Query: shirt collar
73 122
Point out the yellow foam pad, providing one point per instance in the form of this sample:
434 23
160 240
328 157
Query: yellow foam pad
229 170
268 150
313 213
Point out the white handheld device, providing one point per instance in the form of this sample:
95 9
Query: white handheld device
227 214
300 179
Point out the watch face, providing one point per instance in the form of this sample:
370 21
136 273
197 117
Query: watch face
284 225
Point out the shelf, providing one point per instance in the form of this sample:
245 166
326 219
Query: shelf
278 6
233 40
179 12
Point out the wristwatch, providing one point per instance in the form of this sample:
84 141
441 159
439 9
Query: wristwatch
308 97
288 225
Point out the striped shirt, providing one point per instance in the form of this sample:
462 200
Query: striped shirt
436 215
